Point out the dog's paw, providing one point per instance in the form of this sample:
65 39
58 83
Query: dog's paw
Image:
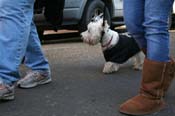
138 67
110 67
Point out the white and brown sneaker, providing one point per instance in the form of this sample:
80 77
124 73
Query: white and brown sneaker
34 78
6 92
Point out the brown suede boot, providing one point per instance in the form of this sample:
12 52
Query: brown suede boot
170 73
150 98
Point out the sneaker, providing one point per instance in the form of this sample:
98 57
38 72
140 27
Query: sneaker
6 92
34 78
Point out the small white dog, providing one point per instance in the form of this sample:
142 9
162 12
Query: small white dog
117 48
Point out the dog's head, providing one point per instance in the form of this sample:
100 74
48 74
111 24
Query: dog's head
95 28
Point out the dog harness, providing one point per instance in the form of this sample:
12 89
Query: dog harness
123 50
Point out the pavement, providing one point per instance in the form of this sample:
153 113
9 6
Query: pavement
79 87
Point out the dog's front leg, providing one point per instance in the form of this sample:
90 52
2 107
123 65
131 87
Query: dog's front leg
110 67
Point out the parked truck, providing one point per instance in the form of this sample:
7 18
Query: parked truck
78 13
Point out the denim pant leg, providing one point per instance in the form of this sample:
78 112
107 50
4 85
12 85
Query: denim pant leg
15 20
156 29
34 57
134 17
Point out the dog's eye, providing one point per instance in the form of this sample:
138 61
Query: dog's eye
88 31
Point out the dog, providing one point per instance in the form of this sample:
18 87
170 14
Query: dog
117 48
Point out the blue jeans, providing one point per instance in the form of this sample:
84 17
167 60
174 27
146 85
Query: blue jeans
18 38
147 21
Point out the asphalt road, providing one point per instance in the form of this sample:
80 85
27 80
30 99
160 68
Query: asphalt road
79 87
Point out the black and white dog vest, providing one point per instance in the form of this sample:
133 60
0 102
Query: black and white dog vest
123 50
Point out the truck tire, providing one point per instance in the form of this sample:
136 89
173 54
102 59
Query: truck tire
40 34
93 8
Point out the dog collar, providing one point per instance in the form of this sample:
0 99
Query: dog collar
108 43
102 34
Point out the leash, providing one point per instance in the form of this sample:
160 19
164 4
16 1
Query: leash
104 17
108 43
104 14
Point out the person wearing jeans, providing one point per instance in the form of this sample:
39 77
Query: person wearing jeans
147 21
19 38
